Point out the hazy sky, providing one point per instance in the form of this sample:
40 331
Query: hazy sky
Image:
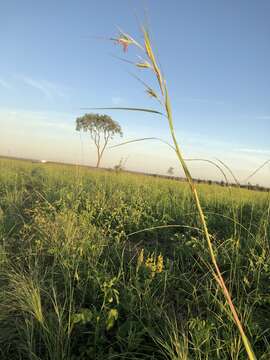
215 55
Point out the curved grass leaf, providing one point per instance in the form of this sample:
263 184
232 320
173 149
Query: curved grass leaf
165 227
258 169
127 109
143 139
212 163
230 171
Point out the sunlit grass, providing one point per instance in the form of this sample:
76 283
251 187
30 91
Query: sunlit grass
74 284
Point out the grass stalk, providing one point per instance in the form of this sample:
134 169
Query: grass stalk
152 64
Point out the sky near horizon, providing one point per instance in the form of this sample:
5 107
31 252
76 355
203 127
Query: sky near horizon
215 55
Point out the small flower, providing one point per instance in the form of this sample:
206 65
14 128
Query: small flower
160 264
150 264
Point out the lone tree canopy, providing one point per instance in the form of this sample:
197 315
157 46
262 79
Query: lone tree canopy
102 129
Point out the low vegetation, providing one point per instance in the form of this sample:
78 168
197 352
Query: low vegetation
110 265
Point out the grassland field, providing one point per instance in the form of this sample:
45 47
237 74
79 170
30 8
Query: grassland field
110 265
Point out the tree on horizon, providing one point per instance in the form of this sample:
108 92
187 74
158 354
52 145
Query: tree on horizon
102 129
170 171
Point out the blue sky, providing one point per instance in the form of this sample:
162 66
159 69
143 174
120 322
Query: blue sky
215 55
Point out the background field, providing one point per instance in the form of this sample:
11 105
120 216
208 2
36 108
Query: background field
75 283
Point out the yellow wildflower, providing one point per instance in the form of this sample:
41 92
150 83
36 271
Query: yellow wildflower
150 264
160 264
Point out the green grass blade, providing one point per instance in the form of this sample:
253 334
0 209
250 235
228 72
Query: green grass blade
214 164
143 139
230 171
127 109
258 169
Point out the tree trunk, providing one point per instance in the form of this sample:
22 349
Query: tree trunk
98 160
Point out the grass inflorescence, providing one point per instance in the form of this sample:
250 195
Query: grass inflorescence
149 62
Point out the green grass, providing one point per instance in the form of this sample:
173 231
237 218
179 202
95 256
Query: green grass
74 284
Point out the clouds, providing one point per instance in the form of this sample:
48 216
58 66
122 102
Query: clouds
38 85
255 151
51 135
49 89
37 120
55 125
4 84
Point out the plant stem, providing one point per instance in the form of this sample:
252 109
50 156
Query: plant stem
217 273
